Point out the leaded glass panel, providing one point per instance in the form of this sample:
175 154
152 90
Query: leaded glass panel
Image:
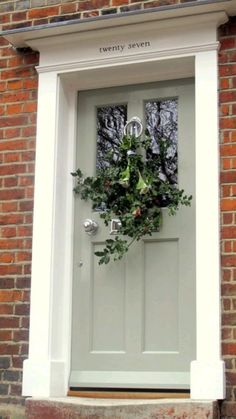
162 125
110 127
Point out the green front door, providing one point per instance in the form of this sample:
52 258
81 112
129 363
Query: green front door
134 320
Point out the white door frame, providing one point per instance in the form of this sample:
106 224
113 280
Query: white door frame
168 49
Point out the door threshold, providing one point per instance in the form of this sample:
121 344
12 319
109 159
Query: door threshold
128 394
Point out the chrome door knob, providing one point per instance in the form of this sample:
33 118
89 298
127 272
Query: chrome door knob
90 226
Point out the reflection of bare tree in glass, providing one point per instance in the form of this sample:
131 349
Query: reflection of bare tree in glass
162 126
110 126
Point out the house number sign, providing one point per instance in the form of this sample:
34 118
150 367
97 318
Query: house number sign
124 47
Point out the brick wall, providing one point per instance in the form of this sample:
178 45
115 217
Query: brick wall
227 71
18 83
18 102
24 13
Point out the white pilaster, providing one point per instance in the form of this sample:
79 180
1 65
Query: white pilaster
46 370
207 372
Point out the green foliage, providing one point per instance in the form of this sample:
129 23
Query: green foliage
130 189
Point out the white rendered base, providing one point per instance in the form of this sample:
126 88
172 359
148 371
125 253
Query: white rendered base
46 378
207 379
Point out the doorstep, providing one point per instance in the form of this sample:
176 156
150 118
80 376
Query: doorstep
85 408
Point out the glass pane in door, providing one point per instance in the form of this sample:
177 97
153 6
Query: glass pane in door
162 125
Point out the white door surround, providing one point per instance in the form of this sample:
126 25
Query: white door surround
150 51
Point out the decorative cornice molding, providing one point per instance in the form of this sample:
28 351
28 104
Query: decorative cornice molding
128 59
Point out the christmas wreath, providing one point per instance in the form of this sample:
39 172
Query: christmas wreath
130 188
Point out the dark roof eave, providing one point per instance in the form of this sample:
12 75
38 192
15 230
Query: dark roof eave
18 37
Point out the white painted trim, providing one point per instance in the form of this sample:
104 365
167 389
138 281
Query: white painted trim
138 58
60 78
208 367
207 379
51 286
133 379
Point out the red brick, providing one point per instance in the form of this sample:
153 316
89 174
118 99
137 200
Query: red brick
4 18
10 295
16 389
227 218
14 109
6 258
15 62
30 83
11 121
229 260
233 163
10 169
6 309
22 310
26 206
228 204
8 232
229 289
9 322
226 302
27 269
226 333
14 97
226 163
30 107
228 96
20 335
224 110
43 12
15 84
24 349
24 231
23 283
68 8
12 158
23 256
3 86
12 194
226 275
10 182
25 321
229 319
231 378
227 70
228 177
37 22
226 191
18 16
17 361
227 123
9 349
28 155
5 335
227 43
93 4
26 181
29 131
119 2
